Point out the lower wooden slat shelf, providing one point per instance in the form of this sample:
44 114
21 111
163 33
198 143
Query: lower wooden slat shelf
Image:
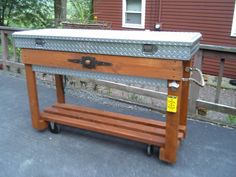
125 126
126 118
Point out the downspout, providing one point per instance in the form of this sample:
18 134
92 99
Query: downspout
158 23
159 11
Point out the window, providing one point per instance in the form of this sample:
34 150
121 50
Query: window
233 30
133 14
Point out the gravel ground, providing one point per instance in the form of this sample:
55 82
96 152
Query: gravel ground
80 89
227 97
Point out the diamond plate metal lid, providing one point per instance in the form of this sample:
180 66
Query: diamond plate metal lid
148 44
153 37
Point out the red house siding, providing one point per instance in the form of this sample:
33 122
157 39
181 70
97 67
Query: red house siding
213 18
111 11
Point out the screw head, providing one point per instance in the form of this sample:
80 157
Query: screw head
87 62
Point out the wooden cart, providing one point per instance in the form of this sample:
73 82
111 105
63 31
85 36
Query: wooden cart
166 135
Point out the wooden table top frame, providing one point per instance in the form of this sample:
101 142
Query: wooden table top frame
166 135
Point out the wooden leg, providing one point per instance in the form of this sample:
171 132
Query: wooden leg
60 89
184 97
168 153
37 123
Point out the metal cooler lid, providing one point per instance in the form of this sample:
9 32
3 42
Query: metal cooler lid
120 36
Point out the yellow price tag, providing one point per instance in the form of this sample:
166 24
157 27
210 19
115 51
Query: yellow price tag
172 102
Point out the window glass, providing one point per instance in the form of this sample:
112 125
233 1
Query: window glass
133 15
133 18
133 5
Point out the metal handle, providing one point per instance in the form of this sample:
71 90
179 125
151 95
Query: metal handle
40 42
201 83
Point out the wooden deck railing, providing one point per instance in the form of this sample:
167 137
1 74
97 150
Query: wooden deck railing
6 59
219 52
222 54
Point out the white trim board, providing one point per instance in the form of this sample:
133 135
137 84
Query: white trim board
233 30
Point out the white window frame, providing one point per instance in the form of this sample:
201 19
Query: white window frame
129 25
233 30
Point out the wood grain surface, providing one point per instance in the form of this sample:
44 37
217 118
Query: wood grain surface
132 66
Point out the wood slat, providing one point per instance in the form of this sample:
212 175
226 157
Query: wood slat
129 88
109 121
127 118
216 107
105 120
106 129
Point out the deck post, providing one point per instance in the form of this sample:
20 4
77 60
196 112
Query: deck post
5 53
219 80
194 88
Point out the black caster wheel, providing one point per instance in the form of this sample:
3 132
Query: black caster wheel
233 82
54 127
150 150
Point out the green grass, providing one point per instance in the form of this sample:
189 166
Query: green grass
109 92
231 119
79 11
134 97
0 49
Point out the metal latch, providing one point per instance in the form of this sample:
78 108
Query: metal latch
149 49
202 81
89 62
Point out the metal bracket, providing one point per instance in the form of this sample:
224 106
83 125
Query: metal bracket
89 62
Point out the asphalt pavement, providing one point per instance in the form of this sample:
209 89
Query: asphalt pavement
208 150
